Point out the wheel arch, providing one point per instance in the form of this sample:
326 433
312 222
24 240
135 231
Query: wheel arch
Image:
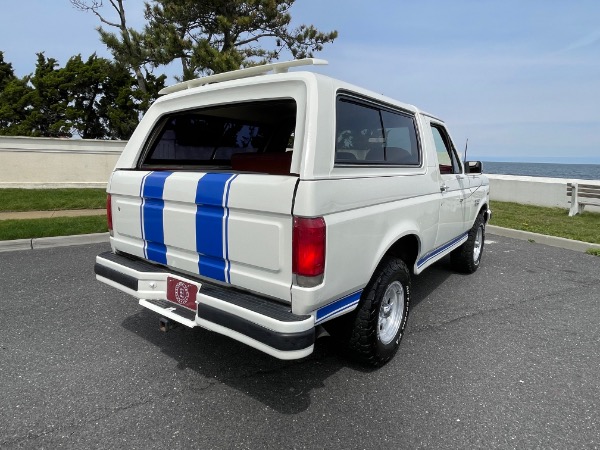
483 210
405 248
487 215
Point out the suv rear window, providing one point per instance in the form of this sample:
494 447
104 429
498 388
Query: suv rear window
211 136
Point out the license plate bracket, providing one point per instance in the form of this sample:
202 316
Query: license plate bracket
182 292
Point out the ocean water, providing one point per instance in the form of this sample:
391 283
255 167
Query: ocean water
551 170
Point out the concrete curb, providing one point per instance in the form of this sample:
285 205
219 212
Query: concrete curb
49 242
17 244
553 241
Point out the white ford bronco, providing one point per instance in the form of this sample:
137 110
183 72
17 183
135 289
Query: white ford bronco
263 205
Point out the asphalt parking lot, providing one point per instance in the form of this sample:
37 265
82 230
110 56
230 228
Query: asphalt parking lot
506 358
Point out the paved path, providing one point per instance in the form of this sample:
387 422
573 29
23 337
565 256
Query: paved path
49 214
505 358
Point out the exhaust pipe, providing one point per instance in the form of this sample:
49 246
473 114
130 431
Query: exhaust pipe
165 324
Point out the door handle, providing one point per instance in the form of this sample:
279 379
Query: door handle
444 187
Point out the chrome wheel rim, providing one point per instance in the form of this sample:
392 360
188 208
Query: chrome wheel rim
478 245
391 312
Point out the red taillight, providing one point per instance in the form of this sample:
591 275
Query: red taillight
109 212
308 259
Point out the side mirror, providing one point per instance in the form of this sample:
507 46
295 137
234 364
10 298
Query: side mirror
473 167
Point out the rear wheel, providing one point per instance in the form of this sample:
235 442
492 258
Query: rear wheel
381 316
467 257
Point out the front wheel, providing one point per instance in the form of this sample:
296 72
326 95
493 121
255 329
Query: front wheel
467 257
381 314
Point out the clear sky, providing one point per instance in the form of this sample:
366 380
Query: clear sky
519 78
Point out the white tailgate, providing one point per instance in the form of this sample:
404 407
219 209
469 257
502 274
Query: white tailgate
231 228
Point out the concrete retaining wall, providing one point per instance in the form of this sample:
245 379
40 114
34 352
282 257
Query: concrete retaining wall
47 162
538 191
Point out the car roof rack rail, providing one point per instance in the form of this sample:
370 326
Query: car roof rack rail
278 67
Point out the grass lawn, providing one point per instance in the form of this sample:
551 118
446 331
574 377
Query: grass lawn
58 226
51 199
550 221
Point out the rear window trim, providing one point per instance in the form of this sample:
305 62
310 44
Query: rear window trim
161 121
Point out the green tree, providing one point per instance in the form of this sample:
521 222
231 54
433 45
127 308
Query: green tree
85 83
34 105
105 101
6 72
15 101
96 98
123 103
125 45
214 36
50 98
205 36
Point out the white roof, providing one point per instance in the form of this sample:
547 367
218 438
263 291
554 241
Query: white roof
280 70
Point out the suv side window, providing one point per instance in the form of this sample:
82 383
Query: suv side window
358 132
369 134
447 158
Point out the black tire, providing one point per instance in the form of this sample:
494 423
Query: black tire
371 340
467 257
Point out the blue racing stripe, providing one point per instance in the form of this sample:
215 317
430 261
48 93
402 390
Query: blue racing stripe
441 249
152 216
228 188
142 211
211 220
338 306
